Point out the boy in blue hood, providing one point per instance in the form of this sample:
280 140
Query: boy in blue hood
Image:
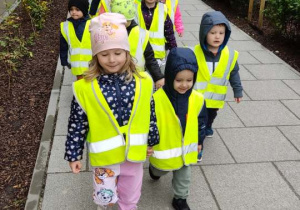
217 65
180 126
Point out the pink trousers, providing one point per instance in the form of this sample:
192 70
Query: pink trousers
118 183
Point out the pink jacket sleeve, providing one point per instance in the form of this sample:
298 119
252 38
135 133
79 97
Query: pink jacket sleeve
178 21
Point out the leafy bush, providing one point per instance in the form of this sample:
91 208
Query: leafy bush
37 10
285 15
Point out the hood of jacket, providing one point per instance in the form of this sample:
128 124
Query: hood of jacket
209 20
179 59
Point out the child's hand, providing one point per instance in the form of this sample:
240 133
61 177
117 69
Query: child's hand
149 151
180 34
75 166
237 100
160 83
199 148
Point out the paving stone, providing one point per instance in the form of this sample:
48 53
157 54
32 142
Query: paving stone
189 19
291 171
266 57
62 121
57 162
246 45
245 74
188 36
215 151
197 13
66 96
293 105
246 58
292 133
184 13
230 96
68 77
201 6
268 90
227 119
250 186
294 84
238 34
159 194
68 192
264 113
258 144
191 27
187 7
190 43
271 71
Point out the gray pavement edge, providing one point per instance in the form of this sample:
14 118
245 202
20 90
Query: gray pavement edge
37 184
10 10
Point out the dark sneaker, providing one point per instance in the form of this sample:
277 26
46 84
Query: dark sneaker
209 132
200 156
152 175
180 204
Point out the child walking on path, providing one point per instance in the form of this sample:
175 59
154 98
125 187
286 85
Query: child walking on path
181 118
75 38
153 16
140 47
175 15
217 65
112 110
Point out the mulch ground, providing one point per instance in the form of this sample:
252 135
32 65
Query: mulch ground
23 107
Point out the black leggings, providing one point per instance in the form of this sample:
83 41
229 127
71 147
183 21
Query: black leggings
211 115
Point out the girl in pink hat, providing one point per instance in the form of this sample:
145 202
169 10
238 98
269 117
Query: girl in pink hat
113 112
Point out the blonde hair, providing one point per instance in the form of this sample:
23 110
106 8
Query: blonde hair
95 69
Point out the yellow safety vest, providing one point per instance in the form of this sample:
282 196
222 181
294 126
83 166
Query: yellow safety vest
109 143
175 150
104 3
138 39
156 31
172 5
214 87
80 53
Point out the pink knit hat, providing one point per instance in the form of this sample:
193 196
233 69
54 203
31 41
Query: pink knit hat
108 31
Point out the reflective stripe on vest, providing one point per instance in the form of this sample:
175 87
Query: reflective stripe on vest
80 53
172 5
138 39
214 87
105 137
156 31
182 150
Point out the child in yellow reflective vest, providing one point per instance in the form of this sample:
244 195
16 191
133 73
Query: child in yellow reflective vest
113 113
75 42
181 118
140 47
153 16
175 15
218 65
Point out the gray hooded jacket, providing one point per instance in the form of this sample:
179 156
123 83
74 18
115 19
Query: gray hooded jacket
209 20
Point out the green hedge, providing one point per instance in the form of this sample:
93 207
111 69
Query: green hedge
285 16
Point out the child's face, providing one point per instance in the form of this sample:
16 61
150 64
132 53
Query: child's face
215 37
150 1
183 81
112 60
75 13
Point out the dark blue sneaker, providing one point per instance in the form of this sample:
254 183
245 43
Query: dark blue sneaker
209 132
180 204
200 156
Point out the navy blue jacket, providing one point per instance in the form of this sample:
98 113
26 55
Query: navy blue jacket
79 26
180 59
209 20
